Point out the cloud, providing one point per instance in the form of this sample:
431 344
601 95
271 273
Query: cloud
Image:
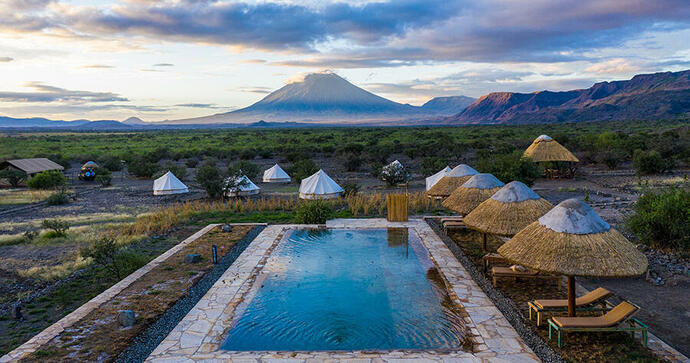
260 90
6 59
613 66
97 66
163 65
46 93
198 105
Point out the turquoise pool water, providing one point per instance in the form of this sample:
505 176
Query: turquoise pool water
339 289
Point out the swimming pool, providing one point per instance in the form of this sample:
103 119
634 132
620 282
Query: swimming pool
347 289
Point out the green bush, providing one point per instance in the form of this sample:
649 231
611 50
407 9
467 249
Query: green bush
110 162
104 177
432 165
611 158
211 179
58 198
662 219
191 162
58 226
249 169
511 167
650 162
353 162
314 212
13 176
108 254
302 169
47 180
351 189
141 167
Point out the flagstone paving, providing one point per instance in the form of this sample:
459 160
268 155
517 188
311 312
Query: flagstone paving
199 335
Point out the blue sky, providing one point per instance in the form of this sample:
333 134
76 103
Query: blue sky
181 58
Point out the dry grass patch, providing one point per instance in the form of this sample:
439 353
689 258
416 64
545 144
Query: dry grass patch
23 196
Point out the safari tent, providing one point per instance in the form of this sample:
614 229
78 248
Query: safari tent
319 186
169 184
276 174
246 187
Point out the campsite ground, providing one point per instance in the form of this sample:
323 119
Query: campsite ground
29 267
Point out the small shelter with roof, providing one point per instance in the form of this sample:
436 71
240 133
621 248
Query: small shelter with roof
169 184
319 186
472 193
433 179
31 167
276 174
544 149
573 240
451 181
88 171
244 187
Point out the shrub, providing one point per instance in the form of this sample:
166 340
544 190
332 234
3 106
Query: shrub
141 167
58 198
432 165
106 253
249 169
191 162
302 169
650 162
247 154
13 176
47 180
511 167
351 189
211 179
110 162
376 169
58 226
353 162
393 174
104 177
611 158
314 212
661 219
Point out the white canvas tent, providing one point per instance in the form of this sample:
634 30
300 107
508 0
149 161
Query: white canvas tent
247 188
319 186
169 184
430 181
276 174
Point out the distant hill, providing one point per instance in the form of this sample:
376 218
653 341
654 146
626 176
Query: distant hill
448 105
326 98
645 96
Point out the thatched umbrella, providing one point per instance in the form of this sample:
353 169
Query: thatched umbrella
474 191
508 211
451 181
544 149
572 240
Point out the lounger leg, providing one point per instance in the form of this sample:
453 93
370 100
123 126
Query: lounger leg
559 339
538 318
530 312
549 332
644 338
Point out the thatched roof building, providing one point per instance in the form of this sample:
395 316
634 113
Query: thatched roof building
470 194
508 211
31 166
451 181
545 149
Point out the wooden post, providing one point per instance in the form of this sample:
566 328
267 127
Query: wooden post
484 242
571 295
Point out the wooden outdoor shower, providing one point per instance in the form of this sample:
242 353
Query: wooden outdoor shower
397 205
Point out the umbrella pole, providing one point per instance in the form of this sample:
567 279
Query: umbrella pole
571 295
484 242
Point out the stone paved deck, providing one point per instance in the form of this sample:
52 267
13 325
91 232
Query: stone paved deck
199 335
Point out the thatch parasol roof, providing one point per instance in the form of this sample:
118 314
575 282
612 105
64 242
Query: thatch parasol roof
451 181
573 240
469 195
544 148
508 211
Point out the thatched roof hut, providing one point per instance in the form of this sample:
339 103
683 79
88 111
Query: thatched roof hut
573 240
474 191
544 149
508 211
451 181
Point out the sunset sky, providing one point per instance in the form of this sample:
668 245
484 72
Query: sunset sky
182 58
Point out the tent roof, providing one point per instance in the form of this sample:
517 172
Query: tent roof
544 148
483 181
395 163
513 192
433 179
319 183
275 172
248 185
573 240
168 182
32 166
462 170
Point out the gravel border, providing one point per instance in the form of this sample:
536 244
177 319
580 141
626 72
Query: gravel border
505 305
149 339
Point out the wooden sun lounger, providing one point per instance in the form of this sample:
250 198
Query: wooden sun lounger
451 219
454 225
620 318
491 258
585 302
503 272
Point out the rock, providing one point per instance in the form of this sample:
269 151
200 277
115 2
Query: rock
192 258
226 228
126 318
